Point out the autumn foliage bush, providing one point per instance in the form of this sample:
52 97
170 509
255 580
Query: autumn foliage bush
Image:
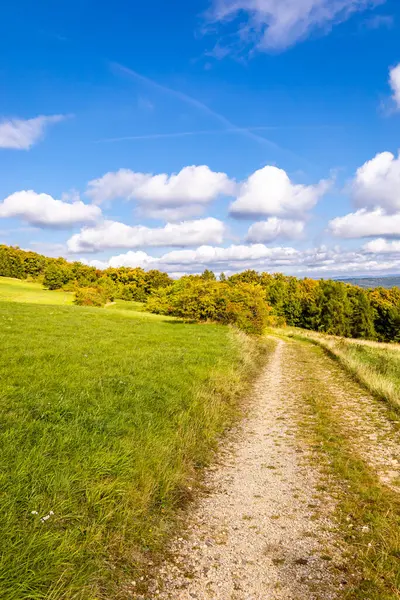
91 296
199 299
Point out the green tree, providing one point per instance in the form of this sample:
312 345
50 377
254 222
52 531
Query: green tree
335 308
55 276
11 263
34 264
83 274
310 307
249 276
155 279
208 275
386 307
362 314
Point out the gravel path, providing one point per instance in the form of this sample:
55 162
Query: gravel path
263 530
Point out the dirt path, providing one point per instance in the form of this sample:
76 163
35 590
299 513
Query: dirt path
364 420
264 529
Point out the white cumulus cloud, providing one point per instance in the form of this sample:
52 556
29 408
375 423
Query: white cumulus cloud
20 134
382 246
270 192
178 261
394 80
377 183
366 223
320 261
43 210
278 24
128 259
212 255
375 191
274 228
192 185
112 234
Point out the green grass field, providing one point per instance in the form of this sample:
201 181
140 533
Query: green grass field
105 418
17 290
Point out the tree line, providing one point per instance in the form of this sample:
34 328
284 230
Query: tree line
250 300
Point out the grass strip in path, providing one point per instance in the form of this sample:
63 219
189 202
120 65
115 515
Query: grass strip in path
368 512
375 365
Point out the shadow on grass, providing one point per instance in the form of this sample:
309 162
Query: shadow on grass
181 322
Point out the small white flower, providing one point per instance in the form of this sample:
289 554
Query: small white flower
34 512
47 517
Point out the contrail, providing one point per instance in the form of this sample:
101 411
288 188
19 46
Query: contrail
178 134
181 134
197 104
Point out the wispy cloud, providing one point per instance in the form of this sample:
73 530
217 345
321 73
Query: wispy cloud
20 134
378 21
275 25
145 104
194 102
394 80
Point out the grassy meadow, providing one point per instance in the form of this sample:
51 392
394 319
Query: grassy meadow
106 415
376 365
20 290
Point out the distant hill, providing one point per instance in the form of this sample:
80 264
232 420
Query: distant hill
388 281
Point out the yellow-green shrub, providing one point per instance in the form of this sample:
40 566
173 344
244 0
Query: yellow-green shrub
91 296
194 298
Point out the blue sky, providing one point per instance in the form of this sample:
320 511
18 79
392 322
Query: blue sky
227 134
